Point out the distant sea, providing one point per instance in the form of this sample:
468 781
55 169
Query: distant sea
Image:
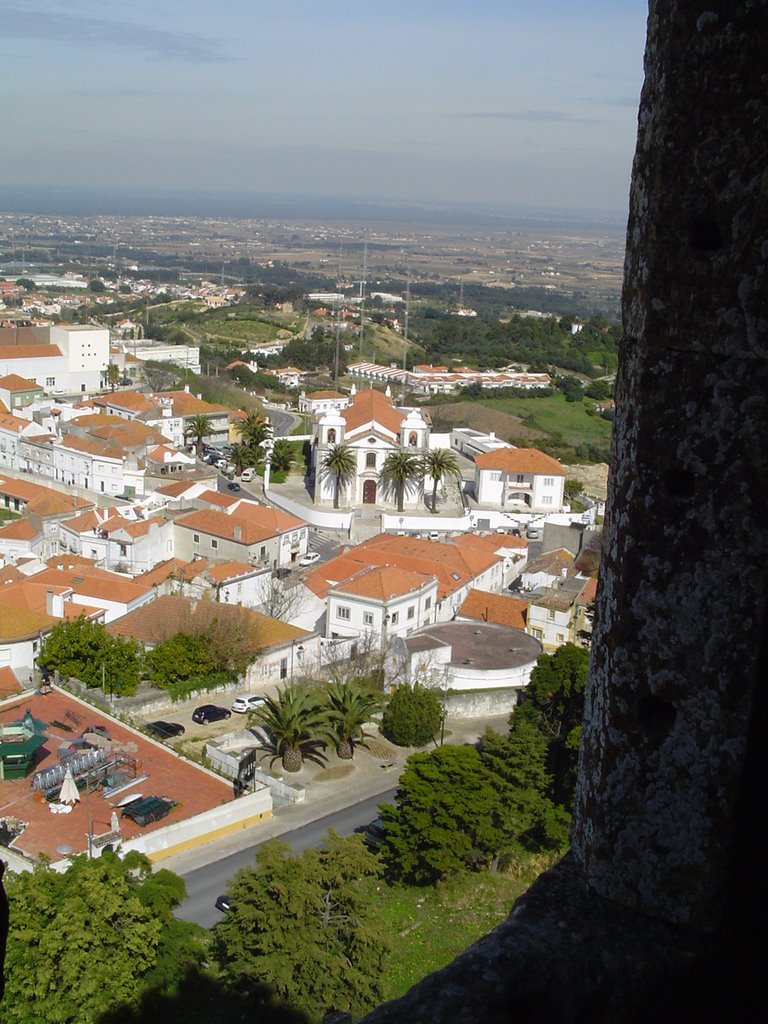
92 202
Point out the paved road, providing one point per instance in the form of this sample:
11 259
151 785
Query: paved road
204 884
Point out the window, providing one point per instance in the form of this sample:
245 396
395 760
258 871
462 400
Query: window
411 612
428 603
123 550
196 538
214 544
342 612
283 668
395 618
546 499
50 382
536 633
549 481
413 439
520 478
370 460
367 618
332 436
551 615
263 554
560 637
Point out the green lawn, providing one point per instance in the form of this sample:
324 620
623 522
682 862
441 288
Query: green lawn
430 927
567 420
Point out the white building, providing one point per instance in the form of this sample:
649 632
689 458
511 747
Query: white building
373 428
61 359
519 479
381 603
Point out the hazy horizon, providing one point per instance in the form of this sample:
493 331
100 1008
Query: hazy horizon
515 104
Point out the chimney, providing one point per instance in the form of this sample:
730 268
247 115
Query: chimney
54 604
238 533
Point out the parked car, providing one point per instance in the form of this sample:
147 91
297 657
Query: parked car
223 903
247 475
164 730
533 533
232 486
247 702
210 713
433 535
310 558
124 382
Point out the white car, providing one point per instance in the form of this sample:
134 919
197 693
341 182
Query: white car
310 558
247 702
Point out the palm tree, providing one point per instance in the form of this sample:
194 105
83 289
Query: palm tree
240 456
254 429
282 455
340 460
296 719
350 706
438 464
400 467
198 427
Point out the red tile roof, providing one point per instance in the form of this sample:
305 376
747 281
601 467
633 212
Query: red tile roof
498 608
372 407
520 460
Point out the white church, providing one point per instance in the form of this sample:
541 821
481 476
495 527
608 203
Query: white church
372 427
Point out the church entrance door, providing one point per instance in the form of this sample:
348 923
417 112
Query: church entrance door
369 492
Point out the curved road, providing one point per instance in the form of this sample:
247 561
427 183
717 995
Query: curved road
206 883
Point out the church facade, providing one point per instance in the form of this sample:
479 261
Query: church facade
371 427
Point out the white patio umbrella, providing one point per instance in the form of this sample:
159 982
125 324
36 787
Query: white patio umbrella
69 793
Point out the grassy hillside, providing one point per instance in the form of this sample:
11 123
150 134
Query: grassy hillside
567 430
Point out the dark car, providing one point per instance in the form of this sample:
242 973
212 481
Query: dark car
164 730
125 381
210 713
223 903
233 486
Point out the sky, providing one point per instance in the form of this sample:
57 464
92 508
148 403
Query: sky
513 102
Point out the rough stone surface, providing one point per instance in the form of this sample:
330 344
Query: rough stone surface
682 599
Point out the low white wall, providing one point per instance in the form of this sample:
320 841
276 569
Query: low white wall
216 823
326 520
483 704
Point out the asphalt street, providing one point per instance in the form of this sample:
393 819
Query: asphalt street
206 883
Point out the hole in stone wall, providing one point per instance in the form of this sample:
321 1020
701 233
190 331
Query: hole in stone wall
704 235
656 717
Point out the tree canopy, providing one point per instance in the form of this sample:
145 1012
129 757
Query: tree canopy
306 925
413 716
95 936
79 648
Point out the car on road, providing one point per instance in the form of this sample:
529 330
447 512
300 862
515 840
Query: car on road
210 713
310 558
247 475
164 730
223 903
373 834
433 535
533 533
232 486
247 702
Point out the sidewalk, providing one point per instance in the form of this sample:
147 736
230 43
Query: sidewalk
330 788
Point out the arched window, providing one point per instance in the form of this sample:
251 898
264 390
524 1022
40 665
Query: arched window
332 435
413 439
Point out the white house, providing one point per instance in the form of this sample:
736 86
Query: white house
381 602
519 479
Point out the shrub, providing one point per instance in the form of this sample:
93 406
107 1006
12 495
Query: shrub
412 717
